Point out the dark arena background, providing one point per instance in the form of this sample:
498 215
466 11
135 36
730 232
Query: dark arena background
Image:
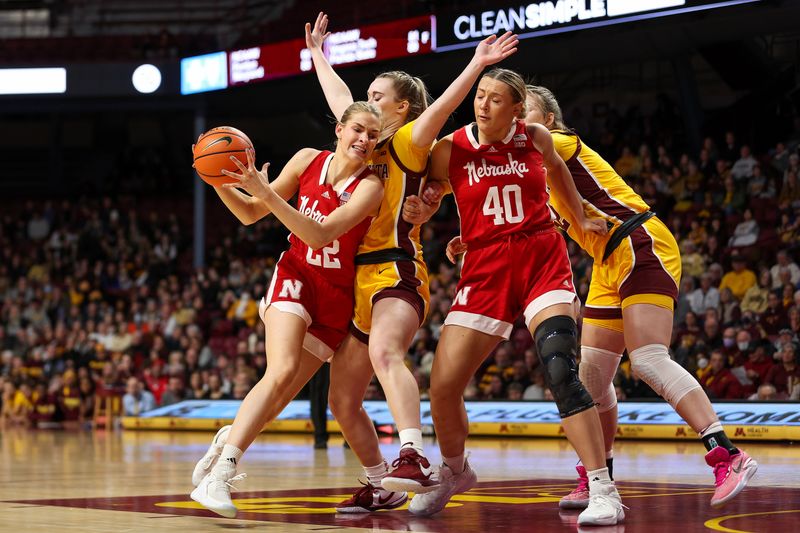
129 321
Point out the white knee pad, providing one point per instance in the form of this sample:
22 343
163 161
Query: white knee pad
597 370
652 364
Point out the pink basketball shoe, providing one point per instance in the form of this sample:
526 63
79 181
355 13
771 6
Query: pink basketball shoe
731 473
579 497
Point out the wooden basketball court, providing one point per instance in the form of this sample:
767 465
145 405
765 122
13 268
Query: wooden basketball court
139 481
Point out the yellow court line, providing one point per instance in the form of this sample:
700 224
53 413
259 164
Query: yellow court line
716 523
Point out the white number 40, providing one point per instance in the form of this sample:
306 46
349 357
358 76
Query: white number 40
326 258
508 211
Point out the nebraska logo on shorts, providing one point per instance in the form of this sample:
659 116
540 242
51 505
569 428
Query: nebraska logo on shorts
291 289
461 296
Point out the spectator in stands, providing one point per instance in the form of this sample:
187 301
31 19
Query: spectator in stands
786 374
535 391
755 298
694 264
746 231
784 263
719 383
730 148
766 393
742 169
774 318
704 297
740 279
758 364
790 191
683 306
137 400
729 307
732 199
215 391
174 393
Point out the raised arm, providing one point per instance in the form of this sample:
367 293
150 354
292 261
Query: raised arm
560 180
491 50
249 209
364 202
337 94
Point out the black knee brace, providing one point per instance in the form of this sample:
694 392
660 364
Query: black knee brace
557 342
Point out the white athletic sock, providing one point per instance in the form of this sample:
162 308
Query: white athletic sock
228 460
376 473
411 437
456 463
601 475
716 427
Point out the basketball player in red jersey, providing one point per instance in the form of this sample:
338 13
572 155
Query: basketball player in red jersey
499 170
307 309
392 295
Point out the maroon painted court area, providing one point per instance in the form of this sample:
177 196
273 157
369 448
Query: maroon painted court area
507 506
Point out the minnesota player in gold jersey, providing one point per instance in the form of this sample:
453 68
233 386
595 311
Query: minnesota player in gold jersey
634 287
391 292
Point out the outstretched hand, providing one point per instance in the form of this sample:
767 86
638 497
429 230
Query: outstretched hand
494 49
316 36
252 180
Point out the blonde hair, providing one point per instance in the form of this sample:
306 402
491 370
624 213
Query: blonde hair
549 104
409 88
361 107
515 84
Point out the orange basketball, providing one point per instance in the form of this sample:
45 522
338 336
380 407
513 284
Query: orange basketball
213 151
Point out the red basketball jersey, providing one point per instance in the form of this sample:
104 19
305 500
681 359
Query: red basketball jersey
317 199
501 188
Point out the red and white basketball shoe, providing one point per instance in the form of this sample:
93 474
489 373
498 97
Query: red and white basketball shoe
412 473
370 498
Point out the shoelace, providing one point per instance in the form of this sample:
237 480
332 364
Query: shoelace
721 471
368 488
608 500
208 459
583 484
233 481
408 459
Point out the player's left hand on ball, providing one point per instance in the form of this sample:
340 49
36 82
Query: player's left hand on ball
595 225
250 179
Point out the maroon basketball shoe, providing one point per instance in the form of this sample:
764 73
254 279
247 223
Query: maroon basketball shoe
370 498
412 473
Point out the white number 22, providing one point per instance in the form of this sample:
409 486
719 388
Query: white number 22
327 258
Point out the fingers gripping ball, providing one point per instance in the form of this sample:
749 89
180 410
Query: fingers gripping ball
213 151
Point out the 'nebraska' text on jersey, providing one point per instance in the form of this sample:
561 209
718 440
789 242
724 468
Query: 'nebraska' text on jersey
500 189
317 199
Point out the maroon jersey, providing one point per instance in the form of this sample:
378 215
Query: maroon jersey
501 188
317 199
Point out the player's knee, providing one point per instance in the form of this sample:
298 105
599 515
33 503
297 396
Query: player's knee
342 403
556 341
445 388
596 371
384 357
280 376
653 365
